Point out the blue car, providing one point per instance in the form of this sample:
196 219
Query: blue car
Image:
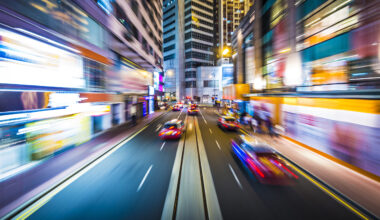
265 163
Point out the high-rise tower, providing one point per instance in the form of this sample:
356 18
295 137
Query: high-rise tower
230 13
188 42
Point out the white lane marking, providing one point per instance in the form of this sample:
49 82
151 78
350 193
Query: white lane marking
210 130
167 212
217 144
212 202
233 173
39 203
203 117
162 146
143 180
158 127
180 113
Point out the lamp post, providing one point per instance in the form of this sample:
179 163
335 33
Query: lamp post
224 52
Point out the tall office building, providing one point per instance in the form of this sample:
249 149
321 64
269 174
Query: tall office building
230 13
188 41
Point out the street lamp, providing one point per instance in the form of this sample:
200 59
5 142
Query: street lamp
225 51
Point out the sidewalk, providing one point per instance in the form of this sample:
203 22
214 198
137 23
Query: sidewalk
359 188
21 188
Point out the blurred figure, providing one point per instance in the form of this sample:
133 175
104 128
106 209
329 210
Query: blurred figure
254 123
133 115
259 117
269 125
344 143
243 118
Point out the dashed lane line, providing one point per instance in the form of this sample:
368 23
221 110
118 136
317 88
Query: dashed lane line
158 127
203 117
236 178
145 176
42 201
217 144
162 146
180 113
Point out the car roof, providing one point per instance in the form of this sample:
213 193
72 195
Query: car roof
256 146
228 117
173 121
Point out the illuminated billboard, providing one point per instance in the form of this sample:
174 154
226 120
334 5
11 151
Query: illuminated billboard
127 79
156 80
26 61
227 75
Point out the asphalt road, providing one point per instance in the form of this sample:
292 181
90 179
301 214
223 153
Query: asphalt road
116 187
241 196
132 183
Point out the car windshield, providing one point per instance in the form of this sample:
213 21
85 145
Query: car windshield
170 126
230 120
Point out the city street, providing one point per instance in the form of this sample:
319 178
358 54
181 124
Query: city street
134 182
189 110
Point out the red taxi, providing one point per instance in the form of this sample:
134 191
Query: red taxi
192 110
227 122
176 108
172 129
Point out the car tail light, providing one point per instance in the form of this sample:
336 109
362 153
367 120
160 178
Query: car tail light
284 167
226 126
253 165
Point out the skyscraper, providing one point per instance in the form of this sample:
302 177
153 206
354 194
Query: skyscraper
230 13
188 42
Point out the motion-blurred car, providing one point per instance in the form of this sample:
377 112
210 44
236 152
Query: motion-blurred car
264 162
180 104
176 108
172 129
228 122
192 110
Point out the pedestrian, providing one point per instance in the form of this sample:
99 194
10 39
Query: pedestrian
269 126
254 124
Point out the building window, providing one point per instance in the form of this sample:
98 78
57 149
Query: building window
198 36
209 83
169 38
191 84
169 57
169 10
168 17
194 64
170 30
198 55
191 74
168 24
197 45
168 48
